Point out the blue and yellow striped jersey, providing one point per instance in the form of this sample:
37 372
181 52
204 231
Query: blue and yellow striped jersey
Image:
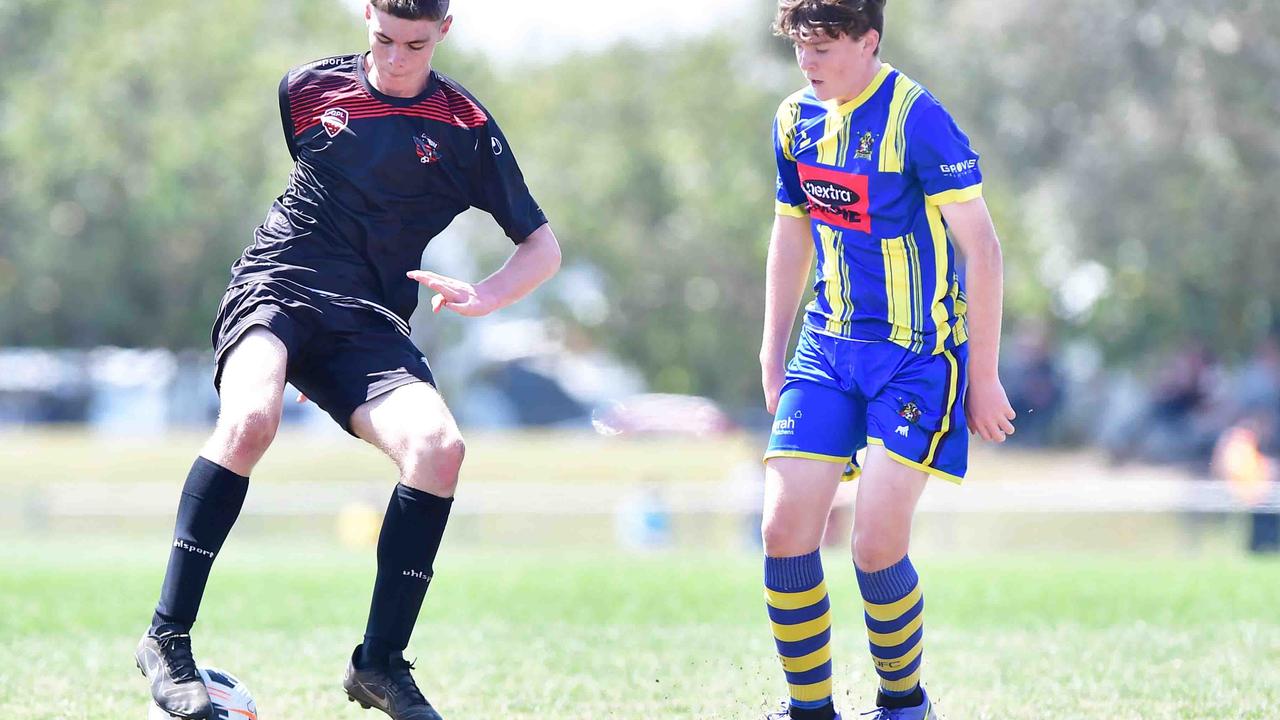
871 174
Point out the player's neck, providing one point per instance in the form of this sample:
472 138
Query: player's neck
399 88
863 81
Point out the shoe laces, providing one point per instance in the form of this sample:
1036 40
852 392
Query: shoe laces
880 713
403 679
176 649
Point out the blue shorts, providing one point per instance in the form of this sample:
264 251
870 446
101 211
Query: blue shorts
842 394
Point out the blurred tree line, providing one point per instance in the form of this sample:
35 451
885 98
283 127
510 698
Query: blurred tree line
1131 149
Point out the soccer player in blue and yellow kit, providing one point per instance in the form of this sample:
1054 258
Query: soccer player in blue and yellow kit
387 152
897 353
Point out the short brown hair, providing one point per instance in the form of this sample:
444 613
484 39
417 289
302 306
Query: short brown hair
414 9
802 19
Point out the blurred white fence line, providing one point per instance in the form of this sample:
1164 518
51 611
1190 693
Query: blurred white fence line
71 499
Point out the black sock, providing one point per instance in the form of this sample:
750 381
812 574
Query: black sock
407 546
826 712
210 504
905 701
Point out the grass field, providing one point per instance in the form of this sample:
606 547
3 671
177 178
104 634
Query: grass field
595 634
541 617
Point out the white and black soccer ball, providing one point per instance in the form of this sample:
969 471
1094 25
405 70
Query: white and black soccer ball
230 698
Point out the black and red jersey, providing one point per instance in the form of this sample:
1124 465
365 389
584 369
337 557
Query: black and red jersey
375 177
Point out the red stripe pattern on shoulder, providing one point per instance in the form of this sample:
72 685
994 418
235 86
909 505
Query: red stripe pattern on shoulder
465 111
309 98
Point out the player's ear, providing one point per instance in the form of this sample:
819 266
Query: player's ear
871 41
368 11
444 27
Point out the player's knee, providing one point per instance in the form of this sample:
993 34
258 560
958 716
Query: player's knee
448 455
783 539
874 550
434 460
249 435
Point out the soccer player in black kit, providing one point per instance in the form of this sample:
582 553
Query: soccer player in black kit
387 152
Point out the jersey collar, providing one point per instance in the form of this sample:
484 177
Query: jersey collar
432 84
854 104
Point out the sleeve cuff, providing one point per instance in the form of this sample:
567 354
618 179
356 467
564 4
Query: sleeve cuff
517 233
947 197
795 211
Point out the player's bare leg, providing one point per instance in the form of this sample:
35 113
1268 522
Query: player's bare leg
888 493
797 502
413 427
252 390
252 396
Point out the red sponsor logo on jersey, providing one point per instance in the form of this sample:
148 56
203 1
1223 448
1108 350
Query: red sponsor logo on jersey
837 198
334 121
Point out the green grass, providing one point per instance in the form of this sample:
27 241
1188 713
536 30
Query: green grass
594 634
539 617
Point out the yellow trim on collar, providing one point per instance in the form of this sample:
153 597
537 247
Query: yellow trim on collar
854 104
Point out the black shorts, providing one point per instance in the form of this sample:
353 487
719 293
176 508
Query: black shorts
342 353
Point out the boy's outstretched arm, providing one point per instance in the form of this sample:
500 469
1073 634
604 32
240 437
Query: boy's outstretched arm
534 262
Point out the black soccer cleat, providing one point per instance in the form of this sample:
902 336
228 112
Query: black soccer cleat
390 689
785 714
164 657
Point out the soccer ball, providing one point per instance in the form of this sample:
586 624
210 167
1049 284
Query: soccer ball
231 699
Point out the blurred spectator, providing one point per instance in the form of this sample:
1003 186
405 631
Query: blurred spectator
1246 457
1182 385
1258 383
1035 386
1181 418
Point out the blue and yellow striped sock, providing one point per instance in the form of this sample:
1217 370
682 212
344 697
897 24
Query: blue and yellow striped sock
894 610
800 613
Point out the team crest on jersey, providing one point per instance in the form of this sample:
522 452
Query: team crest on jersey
334 121
910 412
865 144
837 198
428 150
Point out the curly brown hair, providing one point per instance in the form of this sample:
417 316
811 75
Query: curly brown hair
803 19
414 9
